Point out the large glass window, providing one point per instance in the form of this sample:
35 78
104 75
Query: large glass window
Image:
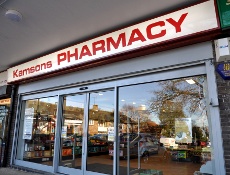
164 128
37 130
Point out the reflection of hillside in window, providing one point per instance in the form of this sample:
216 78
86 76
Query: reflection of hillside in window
71 112
42 107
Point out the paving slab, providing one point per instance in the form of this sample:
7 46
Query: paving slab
14 171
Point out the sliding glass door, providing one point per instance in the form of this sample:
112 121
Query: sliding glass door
86 121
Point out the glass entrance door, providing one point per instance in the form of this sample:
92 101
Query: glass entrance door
100 132
71 144
86 120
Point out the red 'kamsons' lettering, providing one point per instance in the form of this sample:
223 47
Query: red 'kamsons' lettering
32 69
153 31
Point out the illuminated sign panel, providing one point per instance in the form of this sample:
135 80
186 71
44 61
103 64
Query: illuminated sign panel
224 13
191 20
224 70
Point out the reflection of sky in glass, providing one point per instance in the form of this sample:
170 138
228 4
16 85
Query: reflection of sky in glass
138 96
104 100
52 100
141 95
75 100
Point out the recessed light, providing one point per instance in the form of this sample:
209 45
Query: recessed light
13 15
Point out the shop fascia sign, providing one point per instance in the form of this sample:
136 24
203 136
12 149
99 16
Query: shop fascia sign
5 101
191 20
224 13
3 78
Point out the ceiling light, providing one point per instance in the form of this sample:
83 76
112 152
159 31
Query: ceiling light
190 81
13 15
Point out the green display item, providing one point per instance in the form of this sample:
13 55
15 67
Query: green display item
103 148
224 13
181 154
79 139
77 150
93 149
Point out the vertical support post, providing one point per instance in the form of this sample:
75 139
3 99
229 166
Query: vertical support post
215 119
116 154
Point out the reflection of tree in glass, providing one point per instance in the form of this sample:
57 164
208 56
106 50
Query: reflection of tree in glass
191 96
129 118
130 115
201 134
177 99
167 114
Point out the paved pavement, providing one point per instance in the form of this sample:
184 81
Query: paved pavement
14 171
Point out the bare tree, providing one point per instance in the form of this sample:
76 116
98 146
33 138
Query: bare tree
177 99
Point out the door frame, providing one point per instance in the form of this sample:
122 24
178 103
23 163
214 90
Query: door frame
57 154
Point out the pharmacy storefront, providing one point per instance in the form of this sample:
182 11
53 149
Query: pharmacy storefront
114 105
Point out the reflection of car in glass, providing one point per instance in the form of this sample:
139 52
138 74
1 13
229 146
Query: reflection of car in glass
67 142
99 139
146 143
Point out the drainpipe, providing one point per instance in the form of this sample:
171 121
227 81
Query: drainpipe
9 124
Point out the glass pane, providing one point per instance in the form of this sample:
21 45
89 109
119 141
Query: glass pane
72 131
164 128
101 120
4 113
37 131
